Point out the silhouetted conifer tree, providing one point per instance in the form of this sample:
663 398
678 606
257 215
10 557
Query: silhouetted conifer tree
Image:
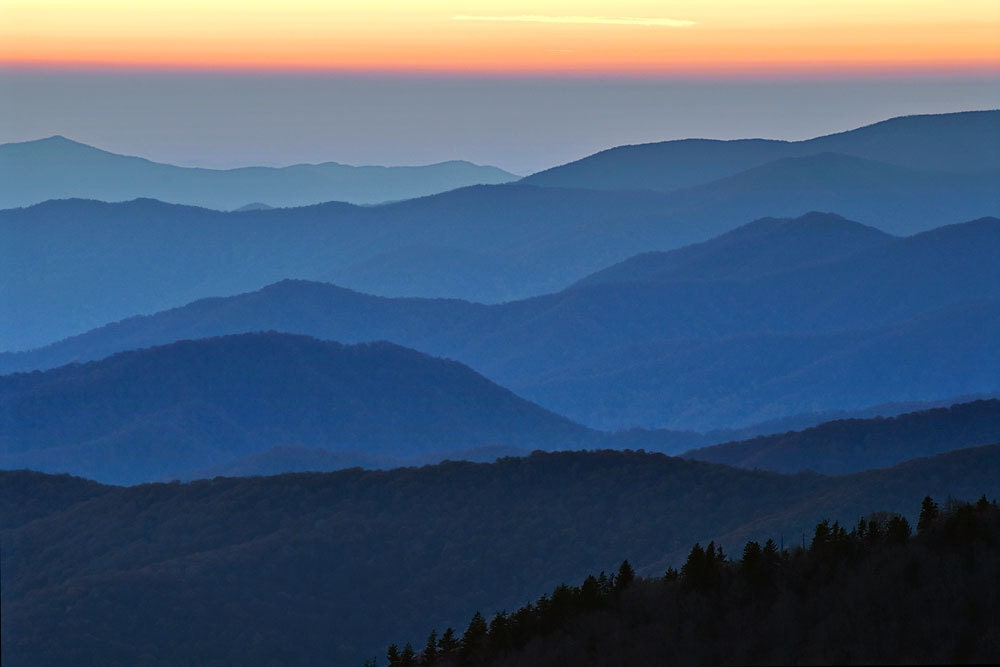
821 536
898 529
448 641
929 513
603 583
499 633
430 651
752 555
625 576
770 550
407 657
861 532
590 593
697 570
475 635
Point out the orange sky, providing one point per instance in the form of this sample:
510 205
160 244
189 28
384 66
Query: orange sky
624 37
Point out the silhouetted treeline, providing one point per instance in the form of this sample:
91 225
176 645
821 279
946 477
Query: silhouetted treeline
877 593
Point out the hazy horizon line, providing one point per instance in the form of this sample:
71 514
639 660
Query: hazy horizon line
805 71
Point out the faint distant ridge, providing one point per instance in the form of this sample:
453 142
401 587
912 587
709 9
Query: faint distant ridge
962 142
253 206
59 168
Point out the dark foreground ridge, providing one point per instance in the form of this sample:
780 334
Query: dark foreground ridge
874 595
307 569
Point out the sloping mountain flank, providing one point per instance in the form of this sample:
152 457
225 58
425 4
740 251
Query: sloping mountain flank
153 413
961 142
851 445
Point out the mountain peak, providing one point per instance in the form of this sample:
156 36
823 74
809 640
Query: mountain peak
761 247
55 141
809 223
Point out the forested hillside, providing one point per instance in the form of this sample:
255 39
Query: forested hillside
285 569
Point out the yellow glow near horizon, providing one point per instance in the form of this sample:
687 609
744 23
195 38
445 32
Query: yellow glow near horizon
628 36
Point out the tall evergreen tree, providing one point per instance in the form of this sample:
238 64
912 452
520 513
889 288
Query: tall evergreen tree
898 529
475 635
625 577
929 512
430 652
448 641
408 657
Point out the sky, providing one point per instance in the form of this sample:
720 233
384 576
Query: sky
523 85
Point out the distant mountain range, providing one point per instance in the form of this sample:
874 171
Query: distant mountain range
280 570
59 168
778 318
486 244
962 142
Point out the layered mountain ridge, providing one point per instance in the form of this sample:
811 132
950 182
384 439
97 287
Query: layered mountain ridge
811 315
667 298
487 244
